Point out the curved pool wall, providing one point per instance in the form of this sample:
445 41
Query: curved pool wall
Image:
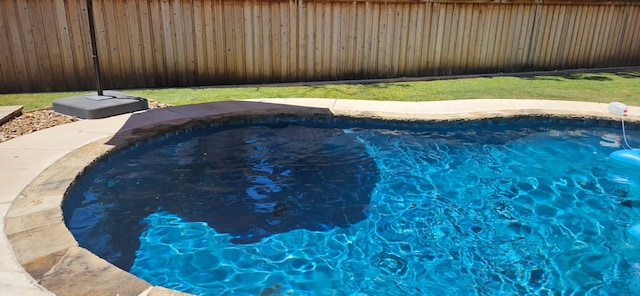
38 169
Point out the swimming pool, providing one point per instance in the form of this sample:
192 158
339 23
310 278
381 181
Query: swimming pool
494 207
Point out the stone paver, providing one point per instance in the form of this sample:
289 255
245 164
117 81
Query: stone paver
9 112
37 168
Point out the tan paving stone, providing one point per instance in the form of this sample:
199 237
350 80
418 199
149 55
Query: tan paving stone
38 267
33 244
9 112
81 272
33 220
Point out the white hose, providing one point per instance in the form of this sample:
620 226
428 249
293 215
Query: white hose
624 135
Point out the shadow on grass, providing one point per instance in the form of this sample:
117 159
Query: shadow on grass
581 76
628 75
565 77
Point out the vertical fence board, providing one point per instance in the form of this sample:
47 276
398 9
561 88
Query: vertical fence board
248 44
158 57
576 34
342 58
374 48
475 45
391 45
401 33
572 34
615 38
168 43
470 52
623 47
210 42
488 46
424 24
498 50
182 25
449 50
311 14
323 51
258 41
522 34
466 36
59 13
382 44
584 38
40 48
606 36
428 29
620 27
30 39
184 37
145 45
352 45
282 31
293 42
412 52
416 33
199 37
610 40
511 47
14 78
133 16
129 19
559 36
52 47
239 51
359 42
488 31
7 70
439 16
227 36
583 29
442 45
319 39
303 40
592 36
273 33
633 55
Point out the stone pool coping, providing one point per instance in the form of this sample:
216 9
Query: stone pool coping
38 254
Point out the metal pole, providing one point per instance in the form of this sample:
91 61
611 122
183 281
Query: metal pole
92 31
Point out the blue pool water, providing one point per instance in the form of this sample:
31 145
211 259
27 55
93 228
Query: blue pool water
506 208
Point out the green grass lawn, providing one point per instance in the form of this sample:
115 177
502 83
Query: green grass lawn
591 87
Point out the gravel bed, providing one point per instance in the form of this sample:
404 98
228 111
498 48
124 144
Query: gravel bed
40 119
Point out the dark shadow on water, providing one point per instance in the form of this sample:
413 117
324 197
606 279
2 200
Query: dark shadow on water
247 182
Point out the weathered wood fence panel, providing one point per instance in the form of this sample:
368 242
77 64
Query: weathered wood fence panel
45 44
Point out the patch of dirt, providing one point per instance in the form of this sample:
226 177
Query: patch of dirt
40 119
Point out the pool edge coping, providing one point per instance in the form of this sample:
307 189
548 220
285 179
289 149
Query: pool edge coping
35 215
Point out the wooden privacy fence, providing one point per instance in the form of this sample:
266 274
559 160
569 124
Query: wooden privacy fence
45 44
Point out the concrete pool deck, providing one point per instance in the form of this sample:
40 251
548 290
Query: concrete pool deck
39 256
